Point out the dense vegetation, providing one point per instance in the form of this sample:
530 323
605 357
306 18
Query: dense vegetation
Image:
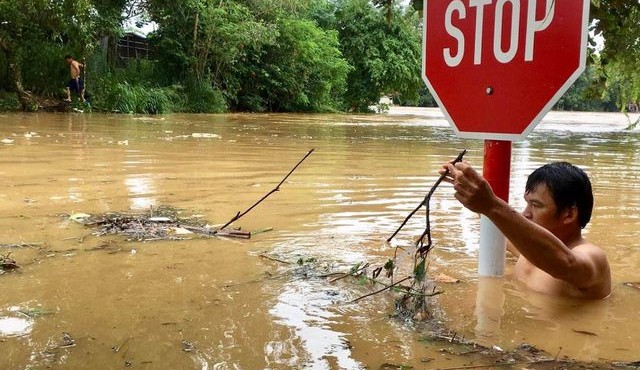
263 55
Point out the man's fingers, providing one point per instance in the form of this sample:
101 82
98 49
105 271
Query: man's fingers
446 170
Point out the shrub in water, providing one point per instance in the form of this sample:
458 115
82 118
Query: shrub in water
125 98
204 98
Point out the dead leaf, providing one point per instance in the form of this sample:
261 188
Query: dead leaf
443 278
80 217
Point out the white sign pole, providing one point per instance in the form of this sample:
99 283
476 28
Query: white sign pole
492 249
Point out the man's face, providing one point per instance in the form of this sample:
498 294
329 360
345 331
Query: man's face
68 60
541 208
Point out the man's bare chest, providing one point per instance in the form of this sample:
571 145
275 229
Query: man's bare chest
539 280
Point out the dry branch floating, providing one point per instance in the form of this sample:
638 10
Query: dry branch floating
7 263
382 290
277 188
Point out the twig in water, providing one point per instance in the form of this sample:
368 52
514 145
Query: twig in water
382 290
262 255
277 188
353 272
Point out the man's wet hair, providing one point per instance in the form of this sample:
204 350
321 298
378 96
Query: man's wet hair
68 56
569 186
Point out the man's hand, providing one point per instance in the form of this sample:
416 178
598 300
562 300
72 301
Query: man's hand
472 190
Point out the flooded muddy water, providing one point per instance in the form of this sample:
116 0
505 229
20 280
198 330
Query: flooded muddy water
214 303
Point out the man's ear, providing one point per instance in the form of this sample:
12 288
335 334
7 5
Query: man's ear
570 215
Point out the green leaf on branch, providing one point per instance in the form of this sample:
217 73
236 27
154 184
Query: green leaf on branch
420 271
389 266
355 268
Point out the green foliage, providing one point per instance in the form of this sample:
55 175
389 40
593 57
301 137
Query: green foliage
202 97
8 102
354 269
622 87
586 93
389 266
5 80
420 271
138 71
203 40
618 22
125 98
303 70
385 55
45 71
425 99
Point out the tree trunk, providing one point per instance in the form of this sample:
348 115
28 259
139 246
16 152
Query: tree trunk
27 101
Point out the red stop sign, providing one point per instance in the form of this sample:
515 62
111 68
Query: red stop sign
496 67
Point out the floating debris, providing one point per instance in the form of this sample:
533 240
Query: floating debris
36 312
67 340
163 223
187 346
7 263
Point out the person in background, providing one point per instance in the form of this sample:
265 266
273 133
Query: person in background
76 84
553 256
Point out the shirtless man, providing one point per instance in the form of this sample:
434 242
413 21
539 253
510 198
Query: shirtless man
553 256
75 83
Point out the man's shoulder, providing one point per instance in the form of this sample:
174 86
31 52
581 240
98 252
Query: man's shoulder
590 249
596 257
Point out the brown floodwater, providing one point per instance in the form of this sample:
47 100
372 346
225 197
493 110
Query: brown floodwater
214 303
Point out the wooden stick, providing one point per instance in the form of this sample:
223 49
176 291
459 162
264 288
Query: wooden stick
381 290
350 273
422 248
234 233
277 188
262 255
219 232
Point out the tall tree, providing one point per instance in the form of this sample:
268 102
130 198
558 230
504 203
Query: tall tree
618 23
201 39
385 53
302 70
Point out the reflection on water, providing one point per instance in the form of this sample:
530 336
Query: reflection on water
141 190
15 326
304 310
212 304
489 306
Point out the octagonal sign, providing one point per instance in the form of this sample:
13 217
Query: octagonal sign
496 67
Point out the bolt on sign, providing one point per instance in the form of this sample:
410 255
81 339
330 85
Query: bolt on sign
496 67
